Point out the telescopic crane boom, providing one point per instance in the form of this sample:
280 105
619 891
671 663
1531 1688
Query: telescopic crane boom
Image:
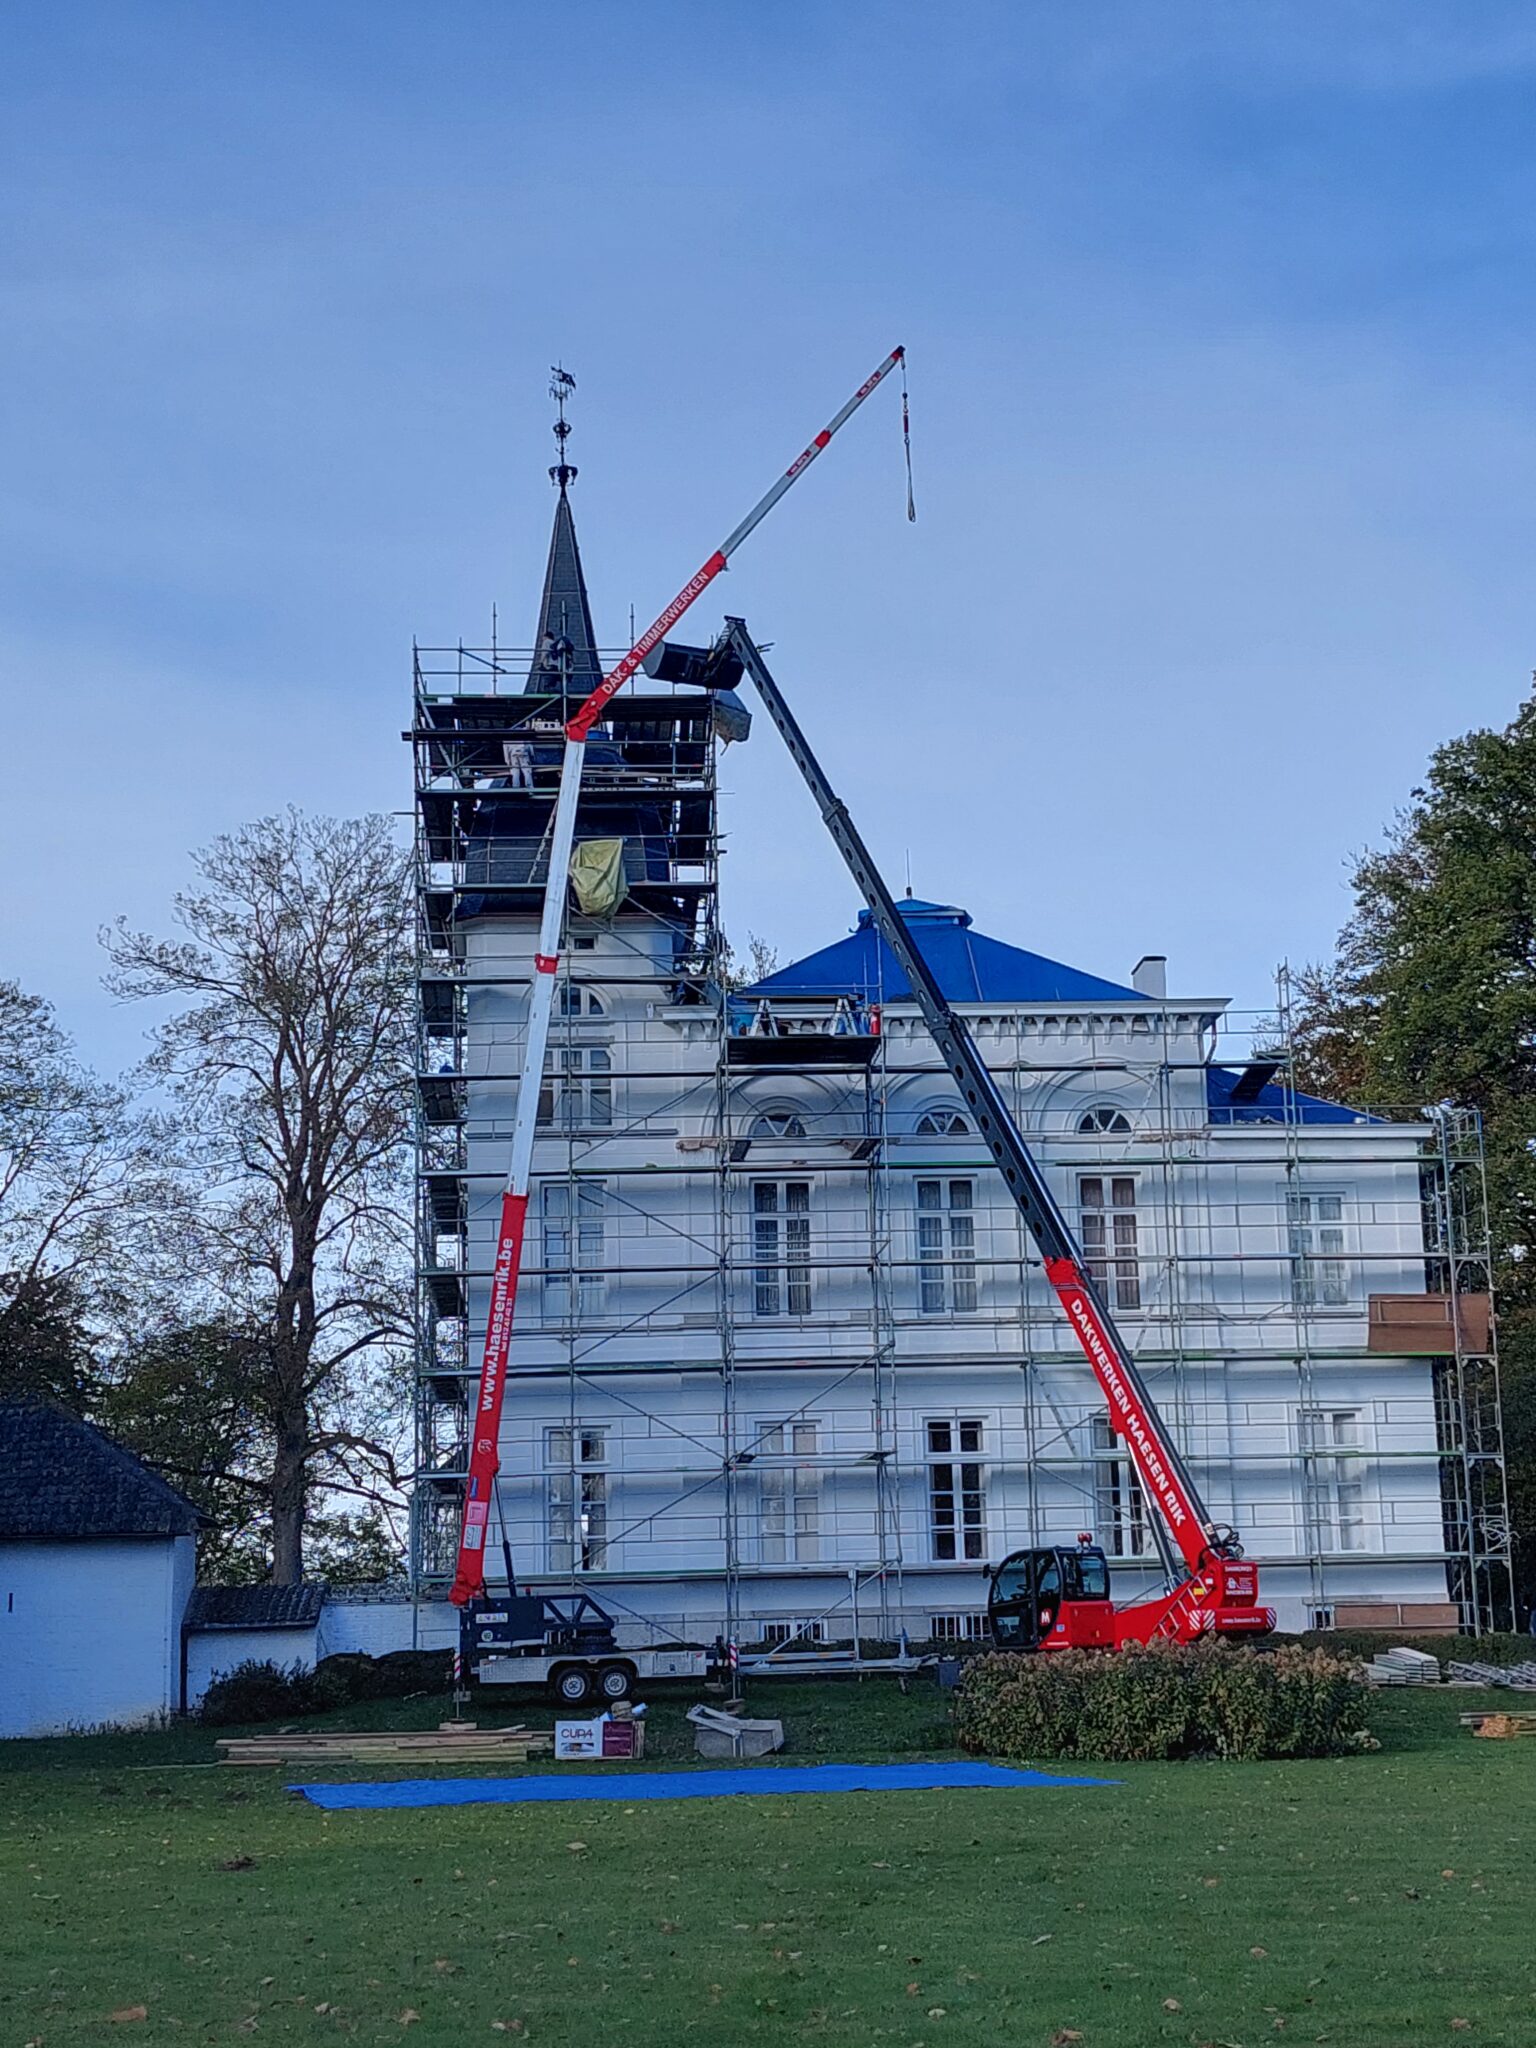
1219 1587
485 1425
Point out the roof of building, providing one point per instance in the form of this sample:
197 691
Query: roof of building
971 968
62 1480
565 645
255 1606
1272 1105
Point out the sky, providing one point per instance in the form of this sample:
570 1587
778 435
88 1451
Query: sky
1218 317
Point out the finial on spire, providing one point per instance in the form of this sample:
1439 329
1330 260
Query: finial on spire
561 385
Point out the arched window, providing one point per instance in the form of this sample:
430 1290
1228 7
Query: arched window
944 1123
778 1123
1102 1119
579 1001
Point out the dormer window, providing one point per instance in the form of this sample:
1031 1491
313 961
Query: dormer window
1103 1120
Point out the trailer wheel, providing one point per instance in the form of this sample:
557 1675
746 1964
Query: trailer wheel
572 1685
615 1681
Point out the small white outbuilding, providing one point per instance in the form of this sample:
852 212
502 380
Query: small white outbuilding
97 1563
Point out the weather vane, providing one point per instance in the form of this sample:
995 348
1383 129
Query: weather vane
561 385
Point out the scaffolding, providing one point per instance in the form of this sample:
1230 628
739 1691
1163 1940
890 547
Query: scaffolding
771 1292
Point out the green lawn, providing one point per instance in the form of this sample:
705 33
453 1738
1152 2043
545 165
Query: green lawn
1384 1899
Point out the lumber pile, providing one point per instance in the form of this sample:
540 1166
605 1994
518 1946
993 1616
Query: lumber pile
1499 1727
1517 1677
1403 1667
456 1743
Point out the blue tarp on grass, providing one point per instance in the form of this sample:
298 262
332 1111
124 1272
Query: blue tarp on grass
763 1780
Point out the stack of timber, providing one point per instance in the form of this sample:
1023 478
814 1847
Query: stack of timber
1517 1677
457 1743
1500 1727
1403 1667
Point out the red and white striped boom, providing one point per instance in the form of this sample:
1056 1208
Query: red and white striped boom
485 1425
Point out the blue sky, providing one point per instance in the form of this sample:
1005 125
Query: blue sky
1219 316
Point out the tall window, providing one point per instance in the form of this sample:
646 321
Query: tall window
781 1247
1319 1277
946 1246
1333 1481
1119 1508
1107 1205
575 1461
577 1089
573 1218
789 1504
957 1520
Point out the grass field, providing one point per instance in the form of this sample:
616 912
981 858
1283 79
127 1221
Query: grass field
1384 1899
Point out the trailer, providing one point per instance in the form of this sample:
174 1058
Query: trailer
565 1643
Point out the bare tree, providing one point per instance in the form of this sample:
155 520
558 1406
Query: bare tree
289 1054
76 1166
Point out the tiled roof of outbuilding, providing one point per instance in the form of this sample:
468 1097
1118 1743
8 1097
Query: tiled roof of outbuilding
255 1606
62 1480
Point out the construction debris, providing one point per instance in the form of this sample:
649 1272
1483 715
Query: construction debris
1516 1677
1500 1727
717 1735
1403 1667
462 1743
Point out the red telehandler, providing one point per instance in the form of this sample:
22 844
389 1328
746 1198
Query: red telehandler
1057 1597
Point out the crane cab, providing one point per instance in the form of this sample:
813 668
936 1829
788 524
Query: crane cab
1056 1598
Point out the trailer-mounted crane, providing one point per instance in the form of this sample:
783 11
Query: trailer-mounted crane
1055 1597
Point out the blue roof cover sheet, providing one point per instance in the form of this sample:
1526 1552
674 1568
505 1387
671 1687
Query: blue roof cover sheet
1273 1105
971 968
766 1781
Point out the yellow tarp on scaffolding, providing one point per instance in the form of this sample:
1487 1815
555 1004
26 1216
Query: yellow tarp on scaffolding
597 876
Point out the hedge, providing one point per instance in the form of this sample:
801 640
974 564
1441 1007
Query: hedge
264 1692
1162 1701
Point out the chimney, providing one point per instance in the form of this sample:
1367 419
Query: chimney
1149 977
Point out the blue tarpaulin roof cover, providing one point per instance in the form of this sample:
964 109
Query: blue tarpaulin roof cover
1273 1105
971 968
765 1781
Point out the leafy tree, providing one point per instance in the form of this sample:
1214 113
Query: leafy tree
45 1347
288 1051
1432 997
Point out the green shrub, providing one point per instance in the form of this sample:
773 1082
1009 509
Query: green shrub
338 1681
1162 1701
258 1692
402 1672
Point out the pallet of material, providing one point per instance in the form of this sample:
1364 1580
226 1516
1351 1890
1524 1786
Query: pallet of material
1499 1727
1402 1667
1516 1677
389 1746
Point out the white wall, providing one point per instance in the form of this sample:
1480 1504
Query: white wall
215 1652
90 1632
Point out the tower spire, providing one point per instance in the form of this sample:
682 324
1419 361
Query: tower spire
565 658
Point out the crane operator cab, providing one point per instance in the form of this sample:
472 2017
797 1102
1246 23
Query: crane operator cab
1052 1599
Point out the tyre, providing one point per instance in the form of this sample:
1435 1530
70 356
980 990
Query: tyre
615 1681
572 1685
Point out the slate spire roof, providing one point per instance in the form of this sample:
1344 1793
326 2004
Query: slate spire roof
61 1479
565 645
971 968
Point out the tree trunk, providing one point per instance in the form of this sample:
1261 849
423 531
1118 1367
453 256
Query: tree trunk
289 1487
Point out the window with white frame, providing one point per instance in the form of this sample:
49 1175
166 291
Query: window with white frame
1315 1226
957 1628
789 1498
575 1462
779 1634
1120 1513
778 1123
577 1000
957 1513
577 1090
944 1123
573 1215
1103 1120
1332 1478
1107 1212
946 1246
781 1247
